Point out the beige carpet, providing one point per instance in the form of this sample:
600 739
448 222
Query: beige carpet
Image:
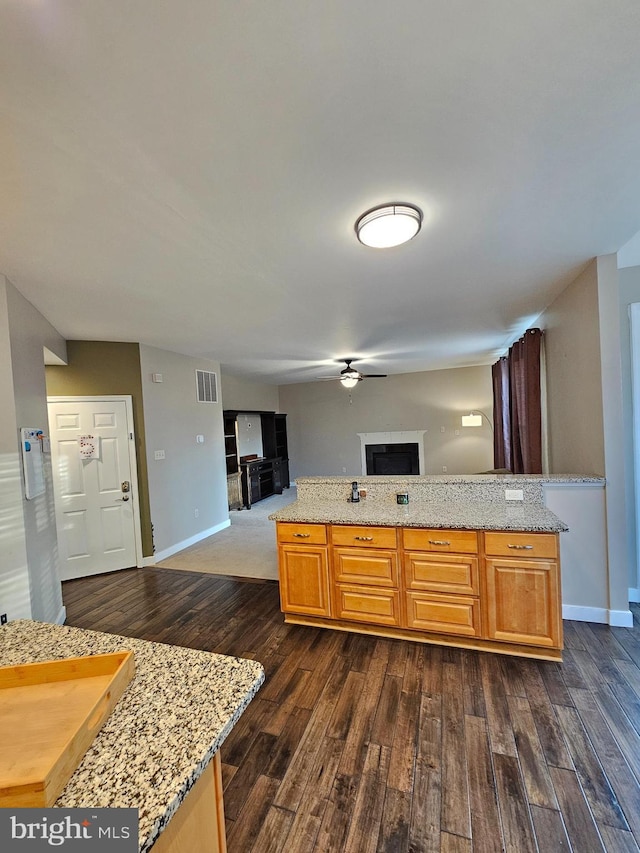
246 549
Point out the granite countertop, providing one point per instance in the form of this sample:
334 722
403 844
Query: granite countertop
478 515
175 714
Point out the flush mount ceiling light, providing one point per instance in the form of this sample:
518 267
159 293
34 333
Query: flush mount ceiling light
388 225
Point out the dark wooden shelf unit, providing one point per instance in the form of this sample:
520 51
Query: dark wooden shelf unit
260 478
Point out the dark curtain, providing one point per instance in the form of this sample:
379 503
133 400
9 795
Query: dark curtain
517 413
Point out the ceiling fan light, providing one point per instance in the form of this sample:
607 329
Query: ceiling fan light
350 381
389 225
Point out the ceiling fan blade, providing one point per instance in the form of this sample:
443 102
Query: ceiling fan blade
373 375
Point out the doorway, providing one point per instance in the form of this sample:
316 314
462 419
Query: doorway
95 484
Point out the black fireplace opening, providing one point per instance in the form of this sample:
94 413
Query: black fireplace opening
392 458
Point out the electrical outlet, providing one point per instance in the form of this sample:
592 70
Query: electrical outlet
3 619
196 513
444 469
513 495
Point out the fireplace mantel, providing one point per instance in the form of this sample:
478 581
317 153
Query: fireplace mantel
397 437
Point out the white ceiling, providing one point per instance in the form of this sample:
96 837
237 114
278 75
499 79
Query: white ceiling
188 173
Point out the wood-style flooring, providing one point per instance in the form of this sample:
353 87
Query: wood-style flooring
362 745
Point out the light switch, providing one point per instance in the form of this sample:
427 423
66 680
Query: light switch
156 377
158 454
199 439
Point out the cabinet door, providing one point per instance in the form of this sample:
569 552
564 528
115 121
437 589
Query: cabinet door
523 602
304 580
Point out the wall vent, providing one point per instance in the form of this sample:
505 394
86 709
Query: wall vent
206 387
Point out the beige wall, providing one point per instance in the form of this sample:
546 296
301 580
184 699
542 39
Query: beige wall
192 476
629 293
585 403
324 420
29 569
245 394
574 384
101 367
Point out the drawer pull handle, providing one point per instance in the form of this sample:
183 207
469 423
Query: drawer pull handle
521 547
364 538
439 542
302 535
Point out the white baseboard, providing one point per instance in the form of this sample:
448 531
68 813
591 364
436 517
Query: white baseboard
62 615
147 561
617 618
634 595
621 618
180 546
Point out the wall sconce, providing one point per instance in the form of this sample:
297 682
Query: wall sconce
471 420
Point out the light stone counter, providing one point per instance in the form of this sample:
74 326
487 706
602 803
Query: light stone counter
172 719
466 515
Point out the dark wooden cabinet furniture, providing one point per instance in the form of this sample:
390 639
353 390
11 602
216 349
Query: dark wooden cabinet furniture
259 478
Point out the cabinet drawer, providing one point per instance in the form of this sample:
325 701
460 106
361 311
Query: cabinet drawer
446 614
456 541
453 573
367 604
301 534
364 537
521 545
376 568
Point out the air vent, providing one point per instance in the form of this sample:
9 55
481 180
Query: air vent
207 390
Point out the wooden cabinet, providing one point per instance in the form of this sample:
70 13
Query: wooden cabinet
442 587
523 589
365 574
303 558
481 590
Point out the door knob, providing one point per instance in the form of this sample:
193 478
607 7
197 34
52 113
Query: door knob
125 497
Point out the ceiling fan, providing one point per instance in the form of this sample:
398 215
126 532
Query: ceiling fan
350 377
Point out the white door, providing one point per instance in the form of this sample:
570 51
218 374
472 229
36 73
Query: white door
95 496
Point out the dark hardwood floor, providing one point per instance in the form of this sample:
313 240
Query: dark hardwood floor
360 744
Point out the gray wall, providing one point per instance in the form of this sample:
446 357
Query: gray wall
29 570
192 476
239 393
324 419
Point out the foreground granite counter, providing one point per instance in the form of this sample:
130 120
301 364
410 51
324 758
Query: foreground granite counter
172 719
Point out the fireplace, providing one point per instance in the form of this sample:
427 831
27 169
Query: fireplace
386 444
392 458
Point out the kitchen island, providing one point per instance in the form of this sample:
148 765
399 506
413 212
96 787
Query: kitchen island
159 749
458 565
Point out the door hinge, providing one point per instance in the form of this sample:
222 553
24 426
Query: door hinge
131 436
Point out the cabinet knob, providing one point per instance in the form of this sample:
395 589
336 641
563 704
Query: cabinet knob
439 542
302 535
521 547
364 538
